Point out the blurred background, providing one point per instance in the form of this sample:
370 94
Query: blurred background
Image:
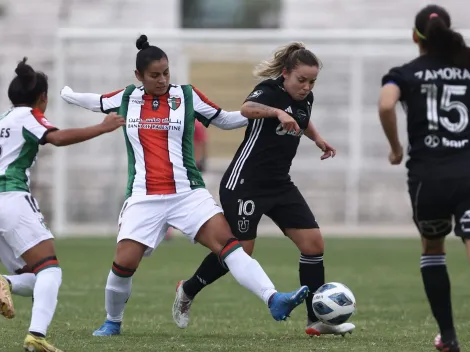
214 44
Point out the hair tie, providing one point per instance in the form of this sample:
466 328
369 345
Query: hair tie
433 15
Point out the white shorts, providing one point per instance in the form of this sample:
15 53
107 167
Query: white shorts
22 227
145 219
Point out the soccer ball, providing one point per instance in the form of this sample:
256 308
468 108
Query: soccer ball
333 303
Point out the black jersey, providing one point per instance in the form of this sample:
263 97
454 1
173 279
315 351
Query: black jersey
436 98
265 156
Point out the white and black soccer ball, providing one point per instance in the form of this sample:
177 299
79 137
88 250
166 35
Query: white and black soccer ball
334 303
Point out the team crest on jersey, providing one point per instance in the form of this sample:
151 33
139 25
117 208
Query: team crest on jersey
174 102
155 104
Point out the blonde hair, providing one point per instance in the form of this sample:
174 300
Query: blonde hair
286 57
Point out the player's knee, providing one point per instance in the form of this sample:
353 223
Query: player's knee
309 242
129 254
433 246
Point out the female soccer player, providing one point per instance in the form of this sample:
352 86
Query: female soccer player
24 237
165 188
435 87
257 181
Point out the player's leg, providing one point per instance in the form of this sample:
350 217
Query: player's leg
432 215
209 227
243 218
141 228
20 280
294 217
28 237
208 272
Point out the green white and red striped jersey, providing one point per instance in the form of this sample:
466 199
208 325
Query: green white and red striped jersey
159 135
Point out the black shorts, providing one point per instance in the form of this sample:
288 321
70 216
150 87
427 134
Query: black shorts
243 210
436 203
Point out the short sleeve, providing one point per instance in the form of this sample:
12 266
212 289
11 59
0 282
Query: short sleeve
397 76
112 101
204 109
38 126
263 94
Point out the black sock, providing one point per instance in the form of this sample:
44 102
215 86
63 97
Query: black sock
437 286
209 271
37 334
312 274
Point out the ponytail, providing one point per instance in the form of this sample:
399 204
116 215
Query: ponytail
286 57
443 42
433 27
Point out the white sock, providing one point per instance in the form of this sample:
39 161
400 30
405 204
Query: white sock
118 291
22 284
250 274
45 295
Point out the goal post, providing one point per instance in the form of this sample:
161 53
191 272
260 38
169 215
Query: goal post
357 192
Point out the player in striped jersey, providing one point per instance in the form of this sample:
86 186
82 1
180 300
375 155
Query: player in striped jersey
165 188
25 240
258 183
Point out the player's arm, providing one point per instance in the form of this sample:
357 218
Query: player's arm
259 105
394 88
41 130
209 113
105 103
389 97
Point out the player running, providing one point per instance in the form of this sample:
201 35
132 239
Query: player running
165 188
257 181
25 240
435 89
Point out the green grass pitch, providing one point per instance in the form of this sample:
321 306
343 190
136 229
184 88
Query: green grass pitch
392 312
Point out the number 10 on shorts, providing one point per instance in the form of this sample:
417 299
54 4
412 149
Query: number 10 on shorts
246 207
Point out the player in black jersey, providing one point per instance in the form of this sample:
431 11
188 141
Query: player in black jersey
435 89
258 183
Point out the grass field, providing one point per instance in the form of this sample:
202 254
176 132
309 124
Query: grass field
392 313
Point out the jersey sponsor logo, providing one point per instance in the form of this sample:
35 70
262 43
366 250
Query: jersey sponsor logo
431 141
256 94
174 102
156 123
280 131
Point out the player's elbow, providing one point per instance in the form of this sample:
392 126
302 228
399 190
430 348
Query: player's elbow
55 138
247 110
386 107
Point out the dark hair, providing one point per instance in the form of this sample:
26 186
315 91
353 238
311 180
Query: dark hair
147 53
287 57
433 27
27 86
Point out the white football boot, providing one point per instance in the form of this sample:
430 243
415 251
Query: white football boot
318 328
181 307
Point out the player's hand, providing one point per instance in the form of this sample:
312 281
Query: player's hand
112 122
396 156
327 149
288 122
